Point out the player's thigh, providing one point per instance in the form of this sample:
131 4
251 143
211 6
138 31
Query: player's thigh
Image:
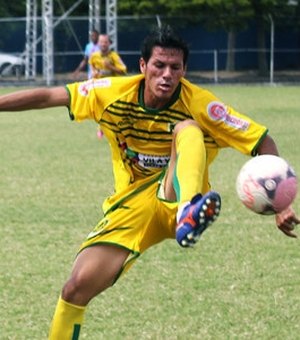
96 268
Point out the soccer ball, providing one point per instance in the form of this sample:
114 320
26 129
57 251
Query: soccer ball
266 184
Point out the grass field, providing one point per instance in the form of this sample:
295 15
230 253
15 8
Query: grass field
241 281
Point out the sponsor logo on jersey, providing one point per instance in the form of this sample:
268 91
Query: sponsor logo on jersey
151 161
217 111
85 87
144 160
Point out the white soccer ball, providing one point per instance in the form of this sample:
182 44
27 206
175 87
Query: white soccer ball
266 184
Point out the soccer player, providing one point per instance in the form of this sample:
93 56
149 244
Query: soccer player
90 48
105 62
164 132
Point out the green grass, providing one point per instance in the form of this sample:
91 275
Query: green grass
240 282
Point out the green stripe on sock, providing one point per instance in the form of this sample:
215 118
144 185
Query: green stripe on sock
76 332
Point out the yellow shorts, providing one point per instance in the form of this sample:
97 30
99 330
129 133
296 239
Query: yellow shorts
137 219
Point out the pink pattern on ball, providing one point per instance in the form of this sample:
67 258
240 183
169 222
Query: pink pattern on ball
285 194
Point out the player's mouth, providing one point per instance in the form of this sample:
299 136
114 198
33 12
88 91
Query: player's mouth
165 87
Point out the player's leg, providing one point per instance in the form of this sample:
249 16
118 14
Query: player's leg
184 183
188 161
95 269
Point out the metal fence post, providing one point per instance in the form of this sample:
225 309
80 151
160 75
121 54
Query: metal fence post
272 50
215 66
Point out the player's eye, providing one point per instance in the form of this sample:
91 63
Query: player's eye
176 67
159 65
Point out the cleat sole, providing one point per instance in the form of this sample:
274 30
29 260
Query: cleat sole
188 234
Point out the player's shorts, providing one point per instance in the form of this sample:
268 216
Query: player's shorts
137 219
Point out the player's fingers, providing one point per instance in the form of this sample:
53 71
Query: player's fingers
287 230
291 216
288 224
296 220
288 233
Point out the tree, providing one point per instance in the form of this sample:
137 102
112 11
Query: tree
230 15
266 13
13 8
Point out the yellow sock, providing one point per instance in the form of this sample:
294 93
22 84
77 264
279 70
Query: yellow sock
190 163
66 321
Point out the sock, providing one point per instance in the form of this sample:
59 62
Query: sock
190 163
66 321
180 210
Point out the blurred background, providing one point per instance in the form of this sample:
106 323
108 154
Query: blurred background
43 41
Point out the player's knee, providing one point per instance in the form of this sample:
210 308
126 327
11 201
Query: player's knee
69 290
185 123
75 292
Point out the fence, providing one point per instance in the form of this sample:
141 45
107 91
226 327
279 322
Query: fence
208 53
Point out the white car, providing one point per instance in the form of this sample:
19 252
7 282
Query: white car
11 65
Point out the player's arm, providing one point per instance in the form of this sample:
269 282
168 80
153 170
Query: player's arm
117 65
267 146
37 98
287 219
84 60
80 67
95 72
82 64
93 65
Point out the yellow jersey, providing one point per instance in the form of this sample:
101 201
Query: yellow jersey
140 138
97 61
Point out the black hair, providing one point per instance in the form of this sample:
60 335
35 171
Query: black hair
165 37
95 31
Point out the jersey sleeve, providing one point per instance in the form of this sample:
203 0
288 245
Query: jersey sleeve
86 101
89 99
118 62
228 127
233 129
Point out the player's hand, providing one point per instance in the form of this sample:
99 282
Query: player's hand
108 64
96 73
286 221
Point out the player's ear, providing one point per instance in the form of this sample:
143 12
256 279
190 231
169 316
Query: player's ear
142 65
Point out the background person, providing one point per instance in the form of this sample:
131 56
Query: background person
90 48
105 62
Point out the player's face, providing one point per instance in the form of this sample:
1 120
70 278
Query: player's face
94 37
162 75
104 43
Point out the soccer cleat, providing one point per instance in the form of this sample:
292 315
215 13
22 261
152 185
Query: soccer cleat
196 217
